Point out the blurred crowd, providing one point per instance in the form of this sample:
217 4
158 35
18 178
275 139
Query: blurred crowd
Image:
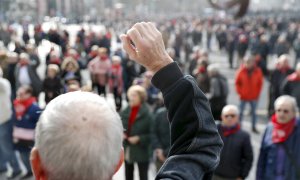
249 45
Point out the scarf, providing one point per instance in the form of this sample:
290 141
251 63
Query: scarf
132 118
227 131
293 77
103 58
22 106
282 131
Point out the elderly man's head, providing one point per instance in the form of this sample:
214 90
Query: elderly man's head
285 108
230 115
78 136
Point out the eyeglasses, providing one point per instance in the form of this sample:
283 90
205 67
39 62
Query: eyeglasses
229 115
285 111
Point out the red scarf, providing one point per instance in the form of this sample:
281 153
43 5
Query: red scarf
281 132
293 77
283 69
132 118
103 58
115 68
227 131
22 106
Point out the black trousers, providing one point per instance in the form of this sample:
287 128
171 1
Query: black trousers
101 89
143 170
118 99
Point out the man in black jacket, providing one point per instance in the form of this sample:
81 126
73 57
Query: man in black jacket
195 141
237 155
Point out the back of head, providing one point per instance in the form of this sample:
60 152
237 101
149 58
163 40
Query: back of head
79 136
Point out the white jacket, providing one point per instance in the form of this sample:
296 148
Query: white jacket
5 102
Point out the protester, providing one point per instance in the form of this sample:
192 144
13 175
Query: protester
137 121
27 115
70 67
279 157
7 154
99 68
26 74
161 136
52 84
59 136
248 84
237 154
218 90
291 85
277 76
116 81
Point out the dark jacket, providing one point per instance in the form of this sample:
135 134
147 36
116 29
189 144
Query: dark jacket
267 161
52 88
36 82
195 142
27 123
161 131
142 128
218 94
237 155
276 79
291 86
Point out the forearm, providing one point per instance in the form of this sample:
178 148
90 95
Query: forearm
194 136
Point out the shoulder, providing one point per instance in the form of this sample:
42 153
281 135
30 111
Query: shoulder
243 134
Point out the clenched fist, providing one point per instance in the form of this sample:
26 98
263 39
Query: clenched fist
144 44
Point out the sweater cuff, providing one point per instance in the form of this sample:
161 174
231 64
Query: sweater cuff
167 76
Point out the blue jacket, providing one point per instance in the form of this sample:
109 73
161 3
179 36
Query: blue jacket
30 118
195 141
266 166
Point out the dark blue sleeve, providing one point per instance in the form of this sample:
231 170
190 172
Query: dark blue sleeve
195 141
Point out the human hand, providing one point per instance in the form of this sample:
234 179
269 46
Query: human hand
160 155
133 139
148 48
239 178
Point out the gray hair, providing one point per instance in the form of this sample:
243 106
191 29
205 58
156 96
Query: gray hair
230 107
289 99
79 136
213 68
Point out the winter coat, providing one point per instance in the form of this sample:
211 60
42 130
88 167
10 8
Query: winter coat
99 70
161 131
291 86
267 161
142 128
52 88
237 155
36 82
248 86
195 141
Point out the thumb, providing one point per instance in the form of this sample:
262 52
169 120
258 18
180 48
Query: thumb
128 47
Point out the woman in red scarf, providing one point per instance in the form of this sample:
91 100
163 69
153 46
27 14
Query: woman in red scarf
27 115
279 154
137 120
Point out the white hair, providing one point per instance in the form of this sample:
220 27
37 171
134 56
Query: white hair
289 99
79 136
231 107
213 68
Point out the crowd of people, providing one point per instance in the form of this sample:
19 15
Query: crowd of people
248 44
